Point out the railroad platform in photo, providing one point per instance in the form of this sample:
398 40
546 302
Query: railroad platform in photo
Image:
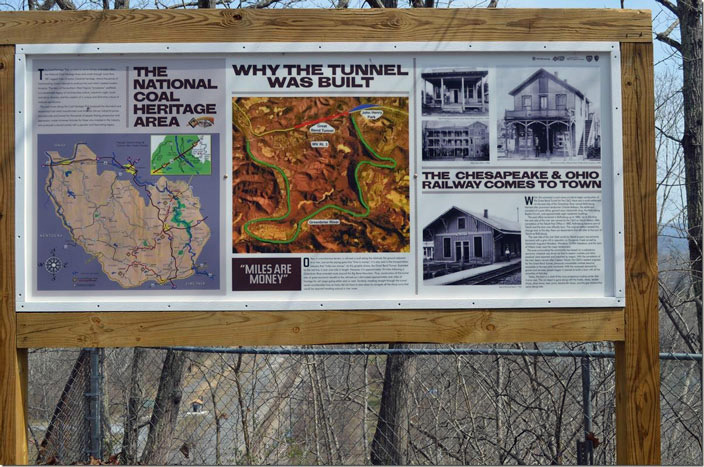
476 276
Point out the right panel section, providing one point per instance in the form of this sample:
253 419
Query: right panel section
515 189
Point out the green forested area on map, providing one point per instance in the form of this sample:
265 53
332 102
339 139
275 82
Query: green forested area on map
174 156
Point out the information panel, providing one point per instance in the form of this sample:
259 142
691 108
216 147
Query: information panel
349 176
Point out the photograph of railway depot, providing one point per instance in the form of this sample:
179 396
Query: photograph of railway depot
549 114
456 140
455 91
463 247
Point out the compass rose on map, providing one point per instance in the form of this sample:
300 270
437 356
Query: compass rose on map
53 264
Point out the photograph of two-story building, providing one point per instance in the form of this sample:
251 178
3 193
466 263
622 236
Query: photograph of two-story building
455 109
549 114
464 247
456 140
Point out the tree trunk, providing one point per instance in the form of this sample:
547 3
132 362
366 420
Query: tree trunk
166 405
66 4
499 412
134 404
121 4
206 3
391 439
382 3
690 16
244 411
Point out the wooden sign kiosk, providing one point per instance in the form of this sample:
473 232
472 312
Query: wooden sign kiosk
633 329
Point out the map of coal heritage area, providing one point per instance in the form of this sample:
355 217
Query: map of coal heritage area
320 174
105 222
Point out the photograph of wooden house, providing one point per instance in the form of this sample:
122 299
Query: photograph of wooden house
452 91
455 140
548 115
466 248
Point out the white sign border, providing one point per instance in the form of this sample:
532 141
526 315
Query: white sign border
25 303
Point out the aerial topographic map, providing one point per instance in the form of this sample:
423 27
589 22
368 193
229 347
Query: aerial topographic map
320 174
139 228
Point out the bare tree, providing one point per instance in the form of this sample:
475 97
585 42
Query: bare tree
390 442
166 407
134 405
688 17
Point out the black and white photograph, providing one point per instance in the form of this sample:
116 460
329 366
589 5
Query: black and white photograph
467 245
455 91
549 113
456 140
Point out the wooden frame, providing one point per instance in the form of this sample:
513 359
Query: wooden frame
634 329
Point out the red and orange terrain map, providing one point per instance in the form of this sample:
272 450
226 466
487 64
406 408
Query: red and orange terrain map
320 174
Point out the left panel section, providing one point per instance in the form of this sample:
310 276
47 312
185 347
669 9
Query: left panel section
125 156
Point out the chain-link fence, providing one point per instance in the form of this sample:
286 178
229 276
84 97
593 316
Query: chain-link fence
361 405
66 435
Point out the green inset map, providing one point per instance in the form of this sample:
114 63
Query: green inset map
181 155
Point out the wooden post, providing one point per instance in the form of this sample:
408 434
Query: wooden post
442 94
637 363
481 91
13 362
547 138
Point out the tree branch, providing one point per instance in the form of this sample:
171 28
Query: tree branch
259 5
686 337
669 5
669 41
47 5
66 4
187 4
667 135
665 36
262 4
671 28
